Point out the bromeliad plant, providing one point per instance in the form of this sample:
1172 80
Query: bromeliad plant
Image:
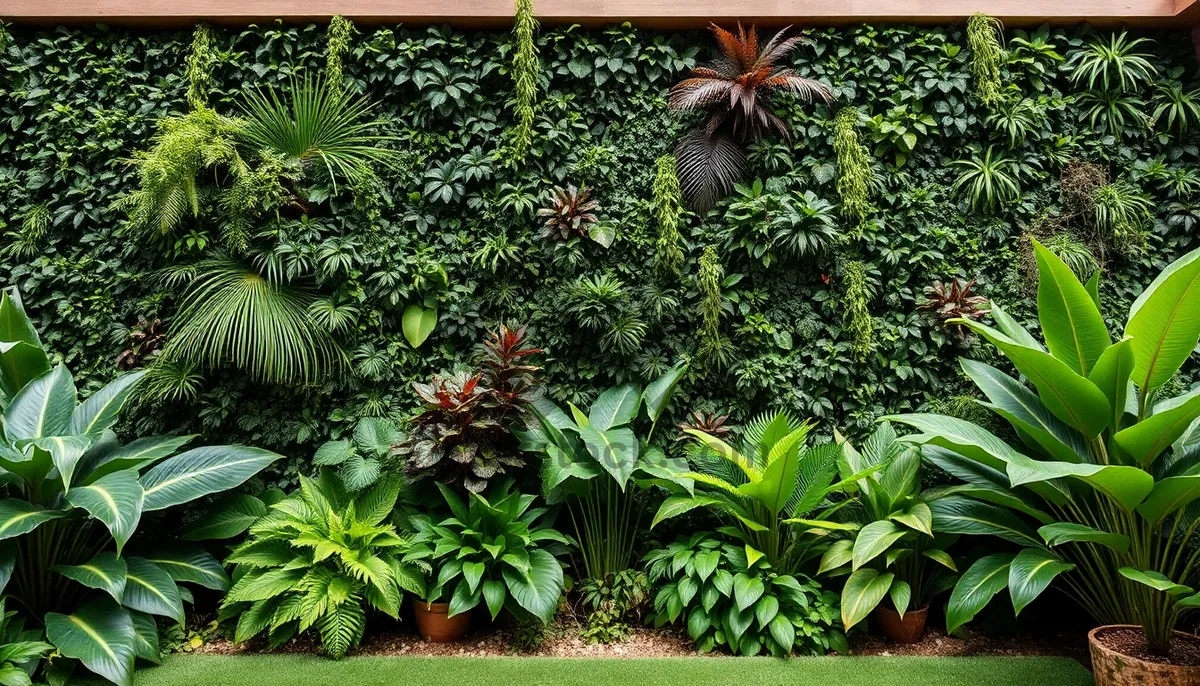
319 558
592 462
889 556
727 599
73 498
496 549
1108 468
774 489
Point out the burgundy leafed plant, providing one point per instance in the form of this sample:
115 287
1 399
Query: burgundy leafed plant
954 300
146 340
736 89
710 423
570 213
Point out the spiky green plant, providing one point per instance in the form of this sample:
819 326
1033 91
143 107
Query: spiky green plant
1121 212
232 315
25 242
991 178
856 317
983 37
1074 253
199 65
1113 66
338 44
853 168
668 207
708 280
1177 108
525 69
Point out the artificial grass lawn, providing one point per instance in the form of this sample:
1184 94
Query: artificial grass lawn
306 670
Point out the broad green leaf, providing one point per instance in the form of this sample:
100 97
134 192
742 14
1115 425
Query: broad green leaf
539 591
955 515
862 593
105 572
1128 486
1068 532
615 449
746 590
941 557
116 500
1156 580
1111 376
658 394
1071 397
190 565
333 453
22 358
753 555
1164 322
494 593
839 553
1093 288
375 436
783 632
472 573
1147 439
150 589
227 518
201 471
101 410
463 599
1071 323
1169 495
917 517
43 407
18 517
417 323
145 637
135 455
676 505
1012 328
976 587
615 407
775 486
8 562
1022 408
99 634
65 452
726 452
873 539
901 595
1030 572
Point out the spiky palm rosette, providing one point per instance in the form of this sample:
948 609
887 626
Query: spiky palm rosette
945 301
570 213
736 90
710 423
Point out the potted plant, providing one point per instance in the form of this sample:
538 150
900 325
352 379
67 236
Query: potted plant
497 549
1101 489
896 561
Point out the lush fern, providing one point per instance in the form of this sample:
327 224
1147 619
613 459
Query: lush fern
525 69
315 559
983 37
26 241
668 207
199 66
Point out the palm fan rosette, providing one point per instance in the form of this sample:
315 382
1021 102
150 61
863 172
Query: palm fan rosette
736 90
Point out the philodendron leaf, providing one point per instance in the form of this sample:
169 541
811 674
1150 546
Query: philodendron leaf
603 233
105 572
100 635
43 407
65 452
417 323
115 500
201 471
19 517
135 455
150 589
1164 322
616 450
1030 572
862 593
976 587
145 637
658 394
874 539
539 590
615 407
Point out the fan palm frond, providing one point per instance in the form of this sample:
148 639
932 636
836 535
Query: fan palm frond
232 315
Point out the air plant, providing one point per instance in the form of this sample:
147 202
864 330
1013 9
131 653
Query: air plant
736 90
570 213
953 300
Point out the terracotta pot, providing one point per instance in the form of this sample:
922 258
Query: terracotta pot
434 624
907 629
1112 668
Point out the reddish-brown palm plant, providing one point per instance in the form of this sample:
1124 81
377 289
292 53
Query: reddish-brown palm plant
710 423
736 89
954 300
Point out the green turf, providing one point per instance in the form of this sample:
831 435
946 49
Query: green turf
294 670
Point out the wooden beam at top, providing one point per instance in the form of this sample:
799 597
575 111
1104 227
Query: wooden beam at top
645 13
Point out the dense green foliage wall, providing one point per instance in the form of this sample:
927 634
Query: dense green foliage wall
75 104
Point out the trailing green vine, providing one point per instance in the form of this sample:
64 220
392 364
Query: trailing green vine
856 318
667 207
340 31
525 68
983 37
199 66
853 169
714 348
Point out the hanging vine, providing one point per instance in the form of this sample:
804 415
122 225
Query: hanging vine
856 318
525 68
983 37
854 170
199 66
668 206
339 33
714 348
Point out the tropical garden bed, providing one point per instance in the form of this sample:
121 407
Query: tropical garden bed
861 341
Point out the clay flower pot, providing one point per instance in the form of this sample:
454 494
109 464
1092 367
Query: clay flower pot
907 629
434 624
1111 667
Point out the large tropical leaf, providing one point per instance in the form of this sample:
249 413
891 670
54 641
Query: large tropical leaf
100 411
1070 532
1147 439
1071 323
22 358
105 572
19 517
201 471
658 394
1164 322
116 500
135 455
65 453
956 515
150 589
191 565
1169 495
862 593
615 449
539 590
1111 376
100 635
874 539
43 407
1030 572
616 406
145 637
976 587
